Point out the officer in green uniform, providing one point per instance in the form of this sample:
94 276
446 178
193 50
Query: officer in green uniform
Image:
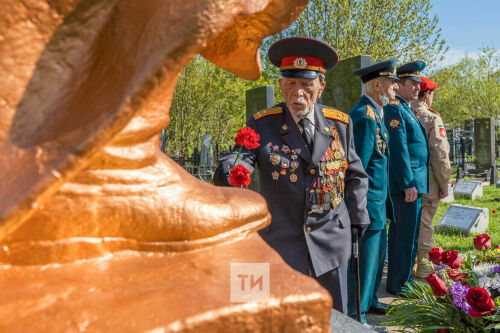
408 175
371 142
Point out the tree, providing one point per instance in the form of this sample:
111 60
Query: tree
469 89
380 28
207 100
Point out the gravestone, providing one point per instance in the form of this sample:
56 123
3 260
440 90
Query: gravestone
465 218
484 147
206 157
451 196
344 89
257 99
468 188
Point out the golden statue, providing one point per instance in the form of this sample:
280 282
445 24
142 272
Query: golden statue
99 230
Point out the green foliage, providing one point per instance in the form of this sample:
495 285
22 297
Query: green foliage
469 89
207 100
380 28
424 312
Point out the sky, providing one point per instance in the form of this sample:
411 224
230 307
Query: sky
467 25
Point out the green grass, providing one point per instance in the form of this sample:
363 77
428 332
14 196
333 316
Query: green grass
453 240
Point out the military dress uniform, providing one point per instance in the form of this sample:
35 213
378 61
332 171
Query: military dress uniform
307 189
439 173
408 165
371 141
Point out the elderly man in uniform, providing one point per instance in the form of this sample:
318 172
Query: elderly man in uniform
308 169
408 175
439 170
371 142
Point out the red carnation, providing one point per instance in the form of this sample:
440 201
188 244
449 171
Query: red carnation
494 211
455 275
451 259
239 176
480 302
437 285
482 241
435 255
247 137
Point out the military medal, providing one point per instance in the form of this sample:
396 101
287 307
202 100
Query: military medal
275 159
284 164
294 157
275 175
275 148
294 164
337 155
283 171
285 149
293 178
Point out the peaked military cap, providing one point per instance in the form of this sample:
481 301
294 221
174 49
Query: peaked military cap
411 70
427 84
384 68
299 57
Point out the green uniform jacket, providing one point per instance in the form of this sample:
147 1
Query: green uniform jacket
372 141
409 159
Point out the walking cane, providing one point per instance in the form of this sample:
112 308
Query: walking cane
355 269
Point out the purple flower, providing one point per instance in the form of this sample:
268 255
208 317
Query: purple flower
458 290
440 268
496 269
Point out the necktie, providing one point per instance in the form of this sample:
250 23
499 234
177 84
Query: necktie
305 133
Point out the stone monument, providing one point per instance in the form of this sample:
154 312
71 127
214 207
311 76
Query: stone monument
484 147
466 219
468 188
344 89
99 230
257 99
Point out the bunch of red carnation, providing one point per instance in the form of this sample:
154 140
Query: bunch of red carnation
239 176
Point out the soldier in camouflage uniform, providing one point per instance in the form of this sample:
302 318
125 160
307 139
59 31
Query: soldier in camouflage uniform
439 170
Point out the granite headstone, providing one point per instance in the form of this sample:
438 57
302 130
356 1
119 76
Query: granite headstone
468 188
465 218
257 99
344 89
484 146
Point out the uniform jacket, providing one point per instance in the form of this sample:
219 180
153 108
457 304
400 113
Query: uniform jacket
371 141
291 190
439 166
409 158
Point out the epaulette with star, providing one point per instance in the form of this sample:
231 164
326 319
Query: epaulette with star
394 102
267 112
434 111
335 114
369 112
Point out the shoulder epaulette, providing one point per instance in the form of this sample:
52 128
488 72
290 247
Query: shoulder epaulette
369 112
394 102
416 113
335 114
433 111
267 112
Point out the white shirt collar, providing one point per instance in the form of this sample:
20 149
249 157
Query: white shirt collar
378 107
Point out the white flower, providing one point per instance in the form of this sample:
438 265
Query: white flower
483 269
484 282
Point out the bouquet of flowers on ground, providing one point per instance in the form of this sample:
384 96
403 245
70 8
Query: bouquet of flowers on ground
239 176
462 294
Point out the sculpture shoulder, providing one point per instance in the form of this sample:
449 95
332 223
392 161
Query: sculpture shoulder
268 112
334 114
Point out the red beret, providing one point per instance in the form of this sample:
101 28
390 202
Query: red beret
427 84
